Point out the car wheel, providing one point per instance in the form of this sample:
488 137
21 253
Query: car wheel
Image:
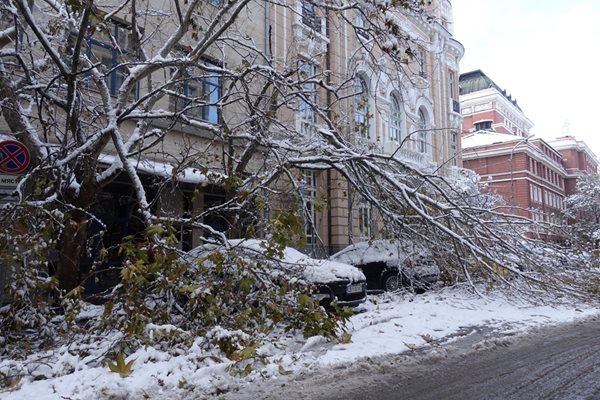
325 296
392 282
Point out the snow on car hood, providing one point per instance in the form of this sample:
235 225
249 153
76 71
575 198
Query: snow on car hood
326 271
316 271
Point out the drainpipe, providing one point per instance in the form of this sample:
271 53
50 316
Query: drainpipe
267 28
329 115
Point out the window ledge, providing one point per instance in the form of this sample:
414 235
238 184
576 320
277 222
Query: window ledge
304 33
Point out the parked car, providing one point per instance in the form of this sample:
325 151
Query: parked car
391 264
334 280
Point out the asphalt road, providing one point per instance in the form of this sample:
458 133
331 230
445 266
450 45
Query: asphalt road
563 363
554 363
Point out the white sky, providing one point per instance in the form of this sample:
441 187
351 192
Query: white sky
545 53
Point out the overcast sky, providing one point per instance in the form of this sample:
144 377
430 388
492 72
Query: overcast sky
545 53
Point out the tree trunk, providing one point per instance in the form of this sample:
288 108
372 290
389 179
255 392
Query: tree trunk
72 245
71 249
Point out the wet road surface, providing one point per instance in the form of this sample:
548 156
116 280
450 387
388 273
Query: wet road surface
560 364
553 363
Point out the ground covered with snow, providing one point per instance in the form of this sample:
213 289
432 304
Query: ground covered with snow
386 324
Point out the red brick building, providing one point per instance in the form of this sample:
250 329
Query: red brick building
527 173
532 175
577 159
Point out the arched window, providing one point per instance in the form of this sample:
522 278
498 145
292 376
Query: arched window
422 137
361 107
395 120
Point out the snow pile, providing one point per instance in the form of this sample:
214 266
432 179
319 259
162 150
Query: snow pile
388 324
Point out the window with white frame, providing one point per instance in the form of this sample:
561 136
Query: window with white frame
452 84
454 147
309 17
309 198
308 99
361 25
199 93
361 107
364 219
545 196
395 120
422 62
483 126
422 135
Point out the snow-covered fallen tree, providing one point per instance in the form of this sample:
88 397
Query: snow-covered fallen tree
107 95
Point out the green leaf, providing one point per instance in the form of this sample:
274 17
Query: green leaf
190 288
283 371
246 284
248 352
304 300
120 366
153 230
247 370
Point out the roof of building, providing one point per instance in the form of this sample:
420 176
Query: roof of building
571 142
486 138
475 81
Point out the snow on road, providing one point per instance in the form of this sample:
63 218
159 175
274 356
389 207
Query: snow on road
393 325
387 324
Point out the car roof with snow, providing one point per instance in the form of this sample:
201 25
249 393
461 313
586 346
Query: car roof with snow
313 270
388 250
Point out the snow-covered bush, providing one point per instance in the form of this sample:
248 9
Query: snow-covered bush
583 211
30 295
220 288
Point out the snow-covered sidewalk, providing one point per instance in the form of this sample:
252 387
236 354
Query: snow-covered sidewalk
388 324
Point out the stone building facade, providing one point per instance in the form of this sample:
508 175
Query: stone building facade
412 113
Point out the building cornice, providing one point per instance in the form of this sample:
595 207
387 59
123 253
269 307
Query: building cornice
505 107
501 149
568 143
490 179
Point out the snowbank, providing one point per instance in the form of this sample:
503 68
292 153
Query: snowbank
388 324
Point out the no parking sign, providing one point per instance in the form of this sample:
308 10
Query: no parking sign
14 157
